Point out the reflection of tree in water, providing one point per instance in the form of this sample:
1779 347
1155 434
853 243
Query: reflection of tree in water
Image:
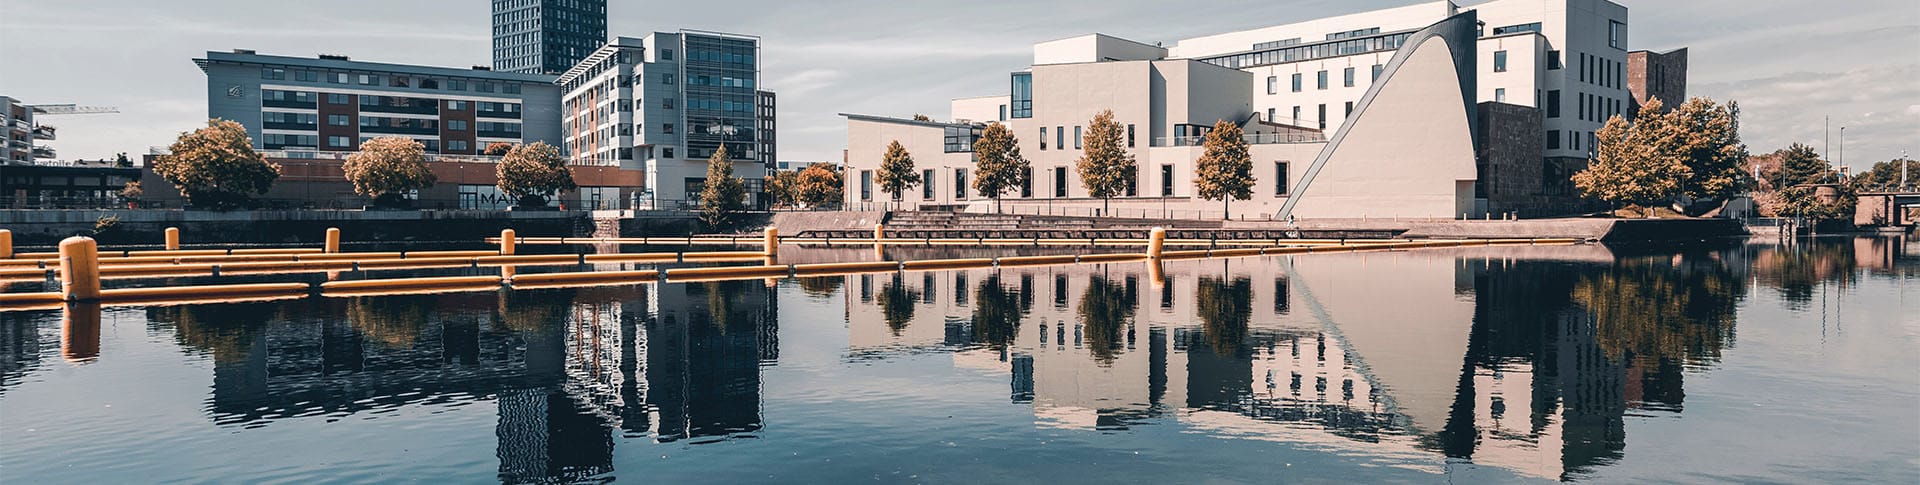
226 330
1225 307
820 286
896 303
1798 270
393 320
1104 309
996 314
531 311
1664 309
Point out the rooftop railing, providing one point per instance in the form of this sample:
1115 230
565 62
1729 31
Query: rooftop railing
1252 139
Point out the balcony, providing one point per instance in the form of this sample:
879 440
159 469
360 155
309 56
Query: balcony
43 152
43 132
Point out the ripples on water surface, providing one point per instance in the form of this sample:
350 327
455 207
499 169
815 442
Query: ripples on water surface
1729 362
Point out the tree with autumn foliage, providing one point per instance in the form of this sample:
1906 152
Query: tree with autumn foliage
820 186
1708 144
497 149
1636 164
1105 166
1225 172
897 175
216 167
783 188
388 167
998 167
533 172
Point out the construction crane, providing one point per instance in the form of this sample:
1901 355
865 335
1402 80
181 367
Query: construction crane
70 109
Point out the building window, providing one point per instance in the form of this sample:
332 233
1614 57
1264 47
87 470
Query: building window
666 103
429 83
666 152
1348 77
339 120
1296 117
1043 138
1553 103
339 142
457 105
1129 135
1323 79
960 183
1026 183
1296 82
510 88
457 145
273 74
335 98
457 125
1021 98
926 184
1499 61
1348 113
1616 34
1376 72
1553 139
1273 84
866 185
1500 95
666 78
1271 113
1059 181
1166 180
456 85
666 54
1553 60
666 128
400 82
306 76
369 80
1076 138
1060 137
1323 117
1279 178
1003 112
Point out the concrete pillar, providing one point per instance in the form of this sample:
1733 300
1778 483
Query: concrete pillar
1157 242
173 238
80 269
6 244
771 246
333 240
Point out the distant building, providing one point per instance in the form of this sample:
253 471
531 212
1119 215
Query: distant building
332 103
766 109
1661 75
546 36
664 104
19 133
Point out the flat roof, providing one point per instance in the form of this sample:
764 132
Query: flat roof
903 121
249 57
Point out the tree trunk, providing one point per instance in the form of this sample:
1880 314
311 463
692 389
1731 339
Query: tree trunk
1226 212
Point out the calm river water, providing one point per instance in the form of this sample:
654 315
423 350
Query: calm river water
1741 362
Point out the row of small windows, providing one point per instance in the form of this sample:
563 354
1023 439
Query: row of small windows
1573 139
1310 52
720 81
1347 79
1060 137
397 81
381 124
1600 71
1061 179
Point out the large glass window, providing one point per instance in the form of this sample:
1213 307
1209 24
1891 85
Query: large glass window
1348 73
959 139
926 184
1616 34
1021 103
1273 84
1279 178
1296 82
1499 61
1553 103
1323 79
1059 181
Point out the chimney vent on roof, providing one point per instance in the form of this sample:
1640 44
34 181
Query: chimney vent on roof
243 51
335 57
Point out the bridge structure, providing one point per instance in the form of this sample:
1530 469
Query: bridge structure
1892 208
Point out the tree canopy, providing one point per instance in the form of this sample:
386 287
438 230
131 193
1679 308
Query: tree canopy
1886 175
897 175
530 173
783 188
724 194
820 186
216 166
386 168
1636 164
998 167
1225 171
1707 140
1105 166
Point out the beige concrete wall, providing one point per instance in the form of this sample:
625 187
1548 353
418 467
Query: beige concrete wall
978 110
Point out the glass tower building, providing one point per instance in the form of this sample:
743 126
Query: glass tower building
546 36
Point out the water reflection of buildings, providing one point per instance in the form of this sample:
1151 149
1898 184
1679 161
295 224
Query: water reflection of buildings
565 368
1530 365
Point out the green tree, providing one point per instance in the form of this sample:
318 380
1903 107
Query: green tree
1886 175
388 167
724 194
530 173
1801 179
1225 172
1802 165
1225 309
1707 138
216 166
1636 164
998 166
1105 166
784 188
820 186
132 192
897 175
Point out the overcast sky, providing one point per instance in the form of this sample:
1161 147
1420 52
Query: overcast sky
1788 62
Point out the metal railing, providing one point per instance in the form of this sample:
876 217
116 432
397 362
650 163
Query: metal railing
1252 139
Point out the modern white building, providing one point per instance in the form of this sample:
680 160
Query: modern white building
19 134
1299 91
666 102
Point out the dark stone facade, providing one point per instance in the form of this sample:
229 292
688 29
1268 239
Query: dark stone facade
1661 75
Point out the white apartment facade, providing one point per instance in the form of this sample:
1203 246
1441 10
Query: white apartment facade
665 103
1292 88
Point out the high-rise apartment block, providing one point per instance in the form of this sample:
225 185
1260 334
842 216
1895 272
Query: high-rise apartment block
18 133
546 36
667 102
